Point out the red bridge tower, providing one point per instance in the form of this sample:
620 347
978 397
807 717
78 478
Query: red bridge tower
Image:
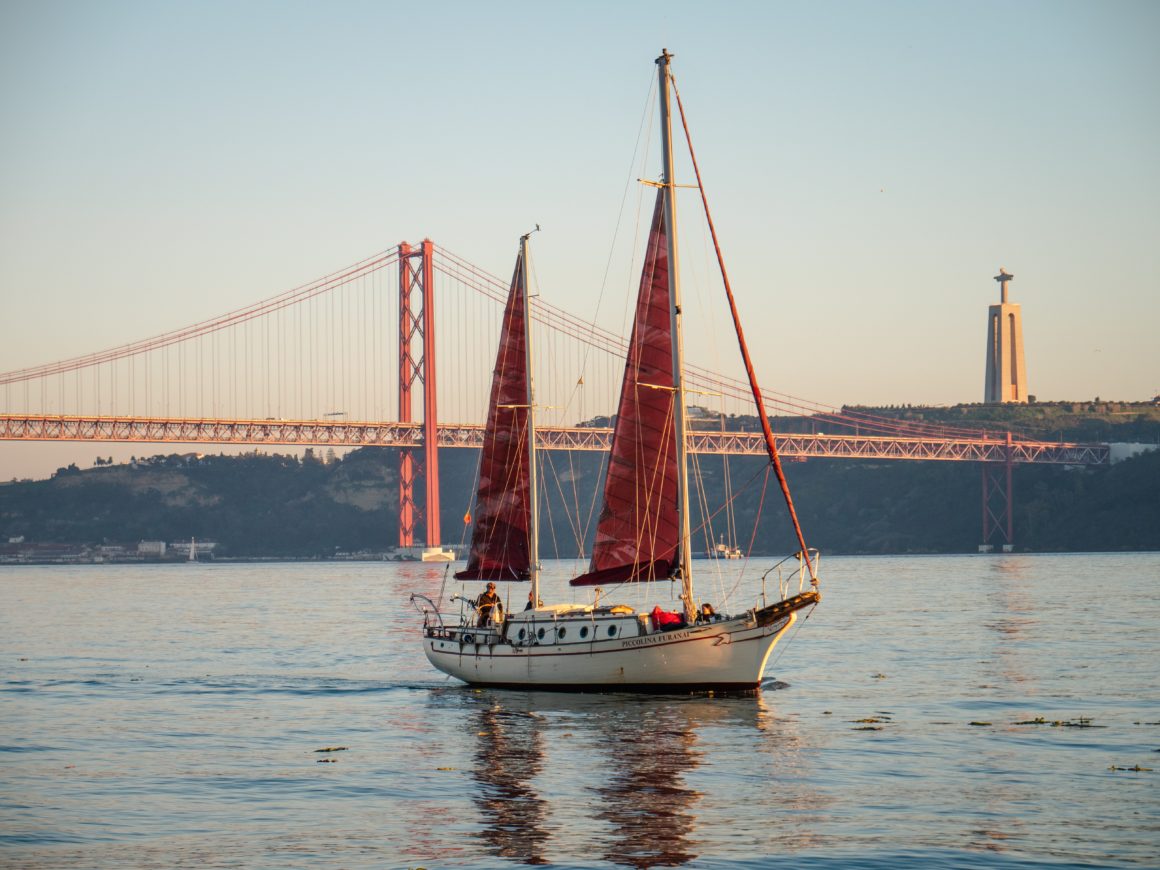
416 273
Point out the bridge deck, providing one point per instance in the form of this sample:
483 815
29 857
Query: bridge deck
316 433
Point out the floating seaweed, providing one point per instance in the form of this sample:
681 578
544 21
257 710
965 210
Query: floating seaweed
1136 769
1081 722
333 749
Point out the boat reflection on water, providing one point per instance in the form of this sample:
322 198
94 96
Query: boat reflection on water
646 801
509 755
614 775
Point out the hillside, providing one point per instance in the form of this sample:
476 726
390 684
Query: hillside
1067 421
253 505
284 507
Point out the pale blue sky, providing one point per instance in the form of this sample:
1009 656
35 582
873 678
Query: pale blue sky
871 165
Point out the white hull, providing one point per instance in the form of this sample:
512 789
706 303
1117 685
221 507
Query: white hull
617 651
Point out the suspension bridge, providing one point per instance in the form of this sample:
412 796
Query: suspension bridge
357 357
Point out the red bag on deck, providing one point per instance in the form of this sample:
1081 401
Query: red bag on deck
662 619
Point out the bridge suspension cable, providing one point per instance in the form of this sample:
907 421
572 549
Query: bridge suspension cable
259 309
327 356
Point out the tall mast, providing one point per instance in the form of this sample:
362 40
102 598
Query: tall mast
669 187
534 521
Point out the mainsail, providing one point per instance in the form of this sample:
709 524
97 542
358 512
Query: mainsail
500 548
638 532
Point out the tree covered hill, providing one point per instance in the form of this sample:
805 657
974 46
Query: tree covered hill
1096 420
252 505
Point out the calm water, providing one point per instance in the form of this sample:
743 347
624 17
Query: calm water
164 716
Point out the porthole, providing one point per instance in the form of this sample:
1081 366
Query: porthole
561 633
540 634
584 631
612 631
523 633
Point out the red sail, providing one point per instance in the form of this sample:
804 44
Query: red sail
499 539
638 534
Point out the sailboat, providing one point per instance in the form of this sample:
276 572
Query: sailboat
643 534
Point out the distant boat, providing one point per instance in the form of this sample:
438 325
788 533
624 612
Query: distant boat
726 551
421 554
643 533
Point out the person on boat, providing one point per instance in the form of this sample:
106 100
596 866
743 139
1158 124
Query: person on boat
708 614
486 602
532 604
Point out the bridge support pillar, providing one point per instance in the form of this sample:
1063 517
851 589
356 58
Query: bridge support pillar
416 273
998 526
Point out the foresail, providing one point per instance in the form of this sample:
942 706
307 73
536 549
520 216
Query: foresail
502 517
638 531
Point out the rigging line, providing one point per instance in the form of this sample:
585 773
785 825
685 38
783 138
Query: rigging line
551 520
770 445
730 521
597 489
557 318
705 527
590 333
573 522
757 514
702 506
709 517
547 314
572 479
643 129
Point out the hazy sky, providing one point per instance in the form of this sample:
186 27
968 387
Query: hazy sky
871 165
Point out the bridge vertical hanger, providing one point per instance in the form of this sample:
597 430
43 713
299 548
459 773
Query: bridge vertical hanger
416 272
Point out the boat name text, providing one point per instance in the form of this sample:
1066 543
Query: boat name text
654 638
